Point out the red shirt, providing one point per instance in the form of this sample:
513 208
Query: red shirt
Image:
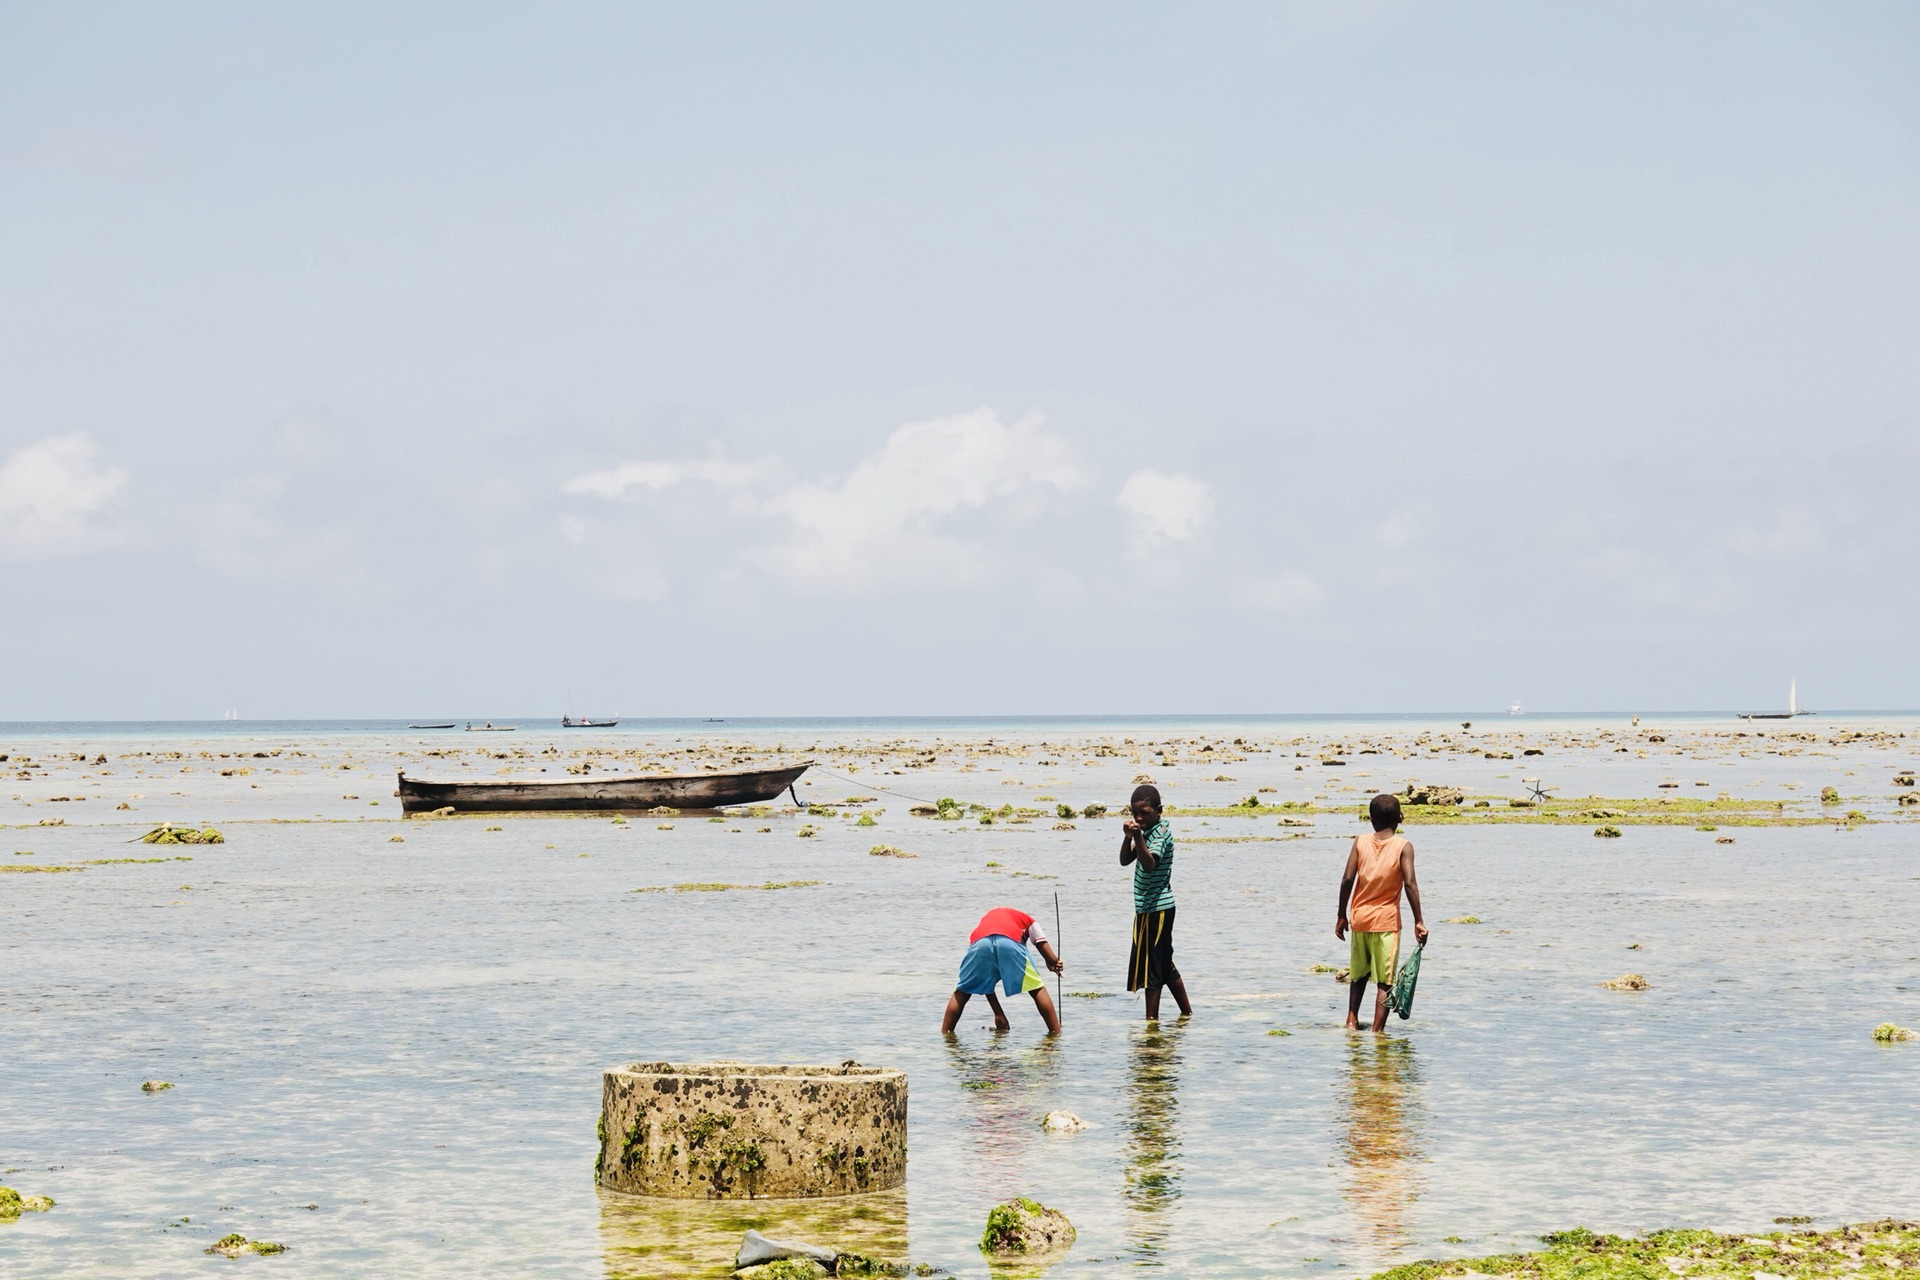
1004 921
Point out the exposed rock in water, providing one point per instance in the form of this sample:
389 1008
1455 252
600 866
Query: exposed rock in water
155 1086
1608 833
235 1244
1829 795
1887 1033
1062 1122
167 833
889 851
1627 982
1024 1228
756 1249
1418 794
13 1204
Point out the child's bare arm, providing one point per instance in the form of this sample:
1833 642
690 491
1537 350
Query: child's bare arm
1133 844
1413 891
1051 956
1347 878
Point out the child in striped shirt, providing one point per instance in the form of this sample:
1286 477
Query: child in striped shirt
1148 846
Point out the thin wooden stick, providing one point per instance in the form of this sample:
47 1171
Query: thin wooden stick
1059 981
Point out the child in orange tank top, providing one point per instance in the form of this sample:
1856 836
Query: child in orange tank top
1379 869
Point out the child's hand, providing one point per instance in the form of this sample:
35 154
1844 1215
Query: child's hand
1057 965
1132 827
1420 932
1340 928
1000 1022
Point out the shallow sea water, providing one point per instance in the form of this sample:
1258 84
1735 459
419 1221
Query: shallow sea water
388 1055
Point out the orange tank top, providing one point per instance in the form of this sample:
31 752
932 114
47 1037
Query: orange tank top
1374 906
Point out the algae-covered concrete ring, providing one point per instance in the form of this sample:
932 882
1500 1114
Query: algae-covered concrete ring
733 1131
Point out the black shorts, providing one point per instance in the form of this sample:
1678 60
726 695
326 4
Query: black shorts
1151 962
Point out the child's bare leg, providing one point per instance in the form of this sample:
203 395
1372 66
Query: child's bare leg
1153 1004
1355 991
1000 1022
1179 988
1379 1006
1043 1001
955 1003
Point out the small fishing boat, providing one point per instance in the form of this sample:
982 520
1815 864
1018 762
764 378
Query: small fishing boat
448 725
491 727
586 722
1793 706
613 792
1515 709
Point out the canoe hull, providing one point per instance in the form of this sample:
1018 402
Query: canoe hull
608 794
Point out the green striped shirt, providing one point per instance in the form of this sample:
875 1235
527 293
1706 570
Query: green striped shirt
1153 890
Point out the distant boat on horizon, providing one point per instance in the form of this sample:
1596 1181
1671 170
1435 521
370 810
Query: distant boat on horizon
586 722
1515 709
1793 706
233 713
447 725
491 727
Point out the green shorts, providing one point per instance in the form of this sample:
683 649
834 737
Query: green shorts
1373 955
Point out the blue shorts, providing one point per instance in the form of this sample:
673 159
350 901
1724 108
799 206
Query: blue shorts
997 958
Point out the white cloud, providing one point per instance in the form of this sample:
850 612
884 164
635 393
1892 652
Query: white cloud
1287 593
887 514
49 492
630 477
1164 509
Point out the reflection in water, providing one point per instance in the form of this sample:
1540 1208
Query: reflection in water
1153 1141
648 1239
1382 1139
1005 1086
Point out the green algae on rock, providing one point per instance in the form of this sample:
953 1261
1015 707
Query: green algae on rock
13 1204
167 833
1025 1229
233 1244
715 886
1627 982
786 1269
1867 1251
1888 1033
155 1086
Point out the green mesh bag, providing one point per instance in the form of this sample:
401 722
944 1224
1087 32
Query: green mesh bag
1401 1000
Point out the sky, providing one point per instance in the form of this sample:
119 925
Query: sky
865 359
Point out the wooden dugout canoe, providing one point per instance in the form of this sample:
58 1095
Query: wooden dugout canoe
612 792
